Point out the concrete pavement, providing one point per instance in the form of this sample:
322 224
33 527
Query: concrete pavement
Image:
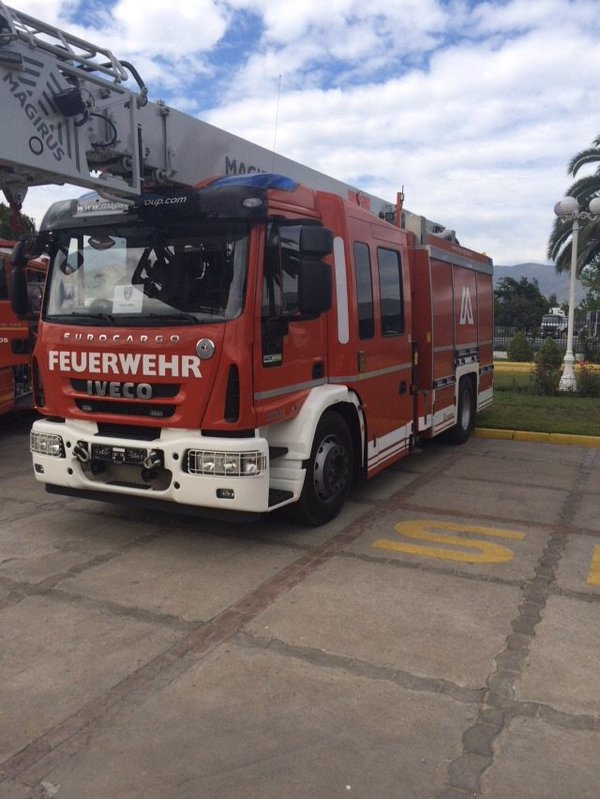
438 640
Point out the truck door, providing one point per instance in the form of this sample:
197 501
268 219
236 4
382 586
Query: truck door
291 351
384 348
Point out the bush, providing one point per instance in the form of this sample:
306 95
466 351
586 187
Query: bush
519 349
588 382
548 368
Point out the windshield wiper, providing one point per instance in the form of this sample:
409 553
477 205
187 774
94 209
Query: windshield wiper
177 316
106 317
83 316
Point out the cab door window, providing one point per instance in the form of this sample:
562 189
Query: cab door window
280 287
390 292
364 290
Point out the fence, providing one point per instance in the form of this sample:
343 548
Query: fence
585 347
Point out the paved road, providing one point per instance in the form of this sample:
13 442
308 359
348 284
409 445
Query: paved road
439 640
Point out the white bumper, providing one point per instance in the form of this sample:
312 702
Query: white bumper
180 479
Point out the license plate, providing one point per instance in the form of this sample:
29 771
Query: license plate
114 454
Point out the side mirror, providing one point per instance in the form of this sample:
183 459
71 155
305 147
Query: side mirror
314 287
315 241
27 249
315 283
19 295
23 251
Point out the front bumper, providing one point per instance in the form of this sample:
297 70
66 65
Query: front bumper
182 466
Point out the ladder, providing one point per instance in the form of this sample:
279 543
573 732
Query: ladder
71 112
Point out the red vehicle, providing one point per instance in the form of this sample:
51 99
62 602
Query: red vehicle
248 342
16 335
261 345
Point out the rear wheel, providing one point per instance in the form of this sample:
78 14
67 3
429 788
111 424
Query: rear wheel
465 413
328 473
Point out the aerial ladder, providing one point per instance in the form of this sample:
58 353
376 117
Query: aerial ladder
74 113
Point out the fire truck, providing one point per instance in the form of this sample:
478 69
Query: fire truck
16 335
222 328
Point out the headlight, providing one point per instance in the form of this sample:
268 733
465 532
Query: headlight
47 444
232 464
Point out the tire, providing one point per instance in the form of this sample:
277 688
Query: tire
329 473
465 414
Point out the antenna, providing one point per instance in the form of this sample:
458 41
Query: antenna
276 121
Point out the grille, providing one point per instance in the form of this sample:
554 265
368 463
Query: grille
146 409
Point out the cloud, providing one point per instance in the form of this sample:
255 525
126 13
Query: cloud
479 135
149 31
474 107
168 29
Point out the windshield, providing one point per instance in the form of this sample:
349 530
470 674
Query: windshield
145 275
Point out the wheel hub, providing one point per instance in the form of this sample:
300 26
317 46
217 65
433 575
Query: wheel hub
332 468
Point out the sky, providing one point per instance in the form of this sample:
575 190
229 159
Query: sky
473 108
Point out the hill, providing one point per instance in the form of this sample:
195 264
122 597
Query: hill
548 280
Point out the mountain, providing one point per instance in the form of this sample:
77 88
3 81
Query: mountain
548 280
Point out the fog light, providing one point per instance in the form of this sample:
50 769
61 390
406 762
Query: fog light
252 463
225 493
47 444
232 464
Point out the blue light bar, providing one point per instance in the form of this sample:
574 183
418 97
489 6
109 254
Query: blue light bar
262 180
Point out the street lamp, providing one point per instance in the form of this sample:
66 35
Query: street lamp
568 208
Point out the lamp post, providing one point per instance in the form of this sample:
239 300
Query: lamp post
568 208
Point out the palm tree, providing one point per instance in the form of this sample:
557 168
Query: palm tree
584 189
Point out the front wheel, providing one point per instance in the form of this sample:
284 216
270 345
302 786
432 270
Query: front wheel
465 413
328 473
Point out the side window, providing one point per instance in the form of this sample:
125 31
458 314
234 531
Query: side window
364 290
282 259
280 287
390 290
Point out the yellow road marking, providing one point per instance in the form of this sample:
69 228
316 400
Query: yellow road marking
476 551
593 577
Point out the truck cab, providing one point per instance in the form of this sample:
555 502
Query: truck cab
248 345
554 324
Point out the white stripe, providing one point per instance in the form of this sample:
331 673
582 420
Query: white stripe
279 392
425 422
446 417
388 370
485 398
341 290
388 445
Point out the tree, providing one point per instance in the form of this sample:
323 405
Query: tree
519 304
584 189
6 228
590 280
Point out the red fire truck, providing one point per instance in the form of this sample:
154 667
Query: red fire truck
16 335
246 342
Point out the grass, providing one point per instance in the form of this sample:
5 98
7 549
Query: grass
516 408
